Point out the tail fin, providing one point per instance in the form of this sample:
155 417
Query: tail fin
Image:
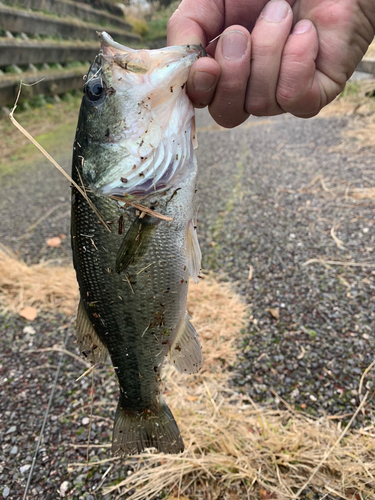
135 431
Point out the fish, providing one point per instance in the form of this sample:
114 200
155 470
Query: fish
133 231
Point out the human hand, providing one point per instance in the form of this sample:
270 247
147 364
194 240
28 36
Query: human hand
273 56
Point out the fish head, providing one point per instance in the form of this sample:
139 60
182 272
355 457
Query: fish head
134 102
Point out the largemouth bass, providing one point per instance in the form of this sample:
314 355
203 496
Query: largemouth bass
134 157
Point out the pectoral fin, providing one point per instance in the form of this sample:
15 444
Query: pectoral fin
186 353
193 252
135 241
88 341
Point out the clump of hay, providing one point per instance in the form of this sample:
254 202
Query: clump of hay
43 286
233 446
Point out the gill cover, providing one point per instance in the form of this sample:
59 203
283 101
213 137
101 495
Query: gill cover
144 128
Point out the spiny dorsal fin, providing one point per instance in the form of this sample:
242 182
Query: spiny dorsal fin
88 341
193 252
135 241
157 428
186 352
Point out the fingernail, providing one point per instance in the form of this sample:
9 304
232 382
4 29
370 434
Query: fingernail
203 81
275 11
234 45
301 27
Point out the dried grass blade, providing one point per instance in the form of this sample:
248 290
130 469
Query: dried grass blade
54 162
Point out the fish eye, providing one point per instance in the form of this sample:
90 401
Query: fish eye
95 89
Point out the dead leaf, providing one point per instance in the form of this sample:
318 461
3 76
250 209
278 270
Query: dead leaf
29 313
54 242
275 313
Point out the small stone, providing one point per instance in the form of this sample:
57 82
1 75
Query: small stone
14 450
25 468
29 330
79 479
6 492
295 393
64 488
11 429
85 420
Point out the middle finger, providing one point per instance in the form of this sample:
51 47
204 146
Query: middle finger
267 44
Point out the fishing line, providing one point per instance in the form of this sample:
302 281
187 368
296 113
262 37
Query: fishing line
216 37
48 409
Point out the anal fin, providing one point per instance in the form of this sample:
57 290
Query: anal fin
186 352
88 341
135 431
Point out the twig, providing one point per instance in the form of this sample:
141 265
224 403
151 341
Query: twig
41 219
363 377
86 372
142 208
91 409
339 243
337 263
99 462
60 349
54 162
103 477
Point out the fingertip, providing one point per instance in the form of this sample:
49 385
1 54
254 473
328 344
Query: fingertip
302 27
201 85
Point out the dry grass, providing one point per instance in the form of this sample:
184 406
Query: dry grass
234 449
44 286
338 188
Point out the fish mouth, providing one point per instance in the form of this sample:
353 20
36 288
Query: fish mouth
113 49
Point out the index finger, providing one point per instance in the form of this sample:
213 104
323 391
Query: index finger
194 23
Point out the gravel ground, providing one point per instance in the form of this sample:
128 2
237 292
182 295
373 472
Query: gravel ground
263 215
310 334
